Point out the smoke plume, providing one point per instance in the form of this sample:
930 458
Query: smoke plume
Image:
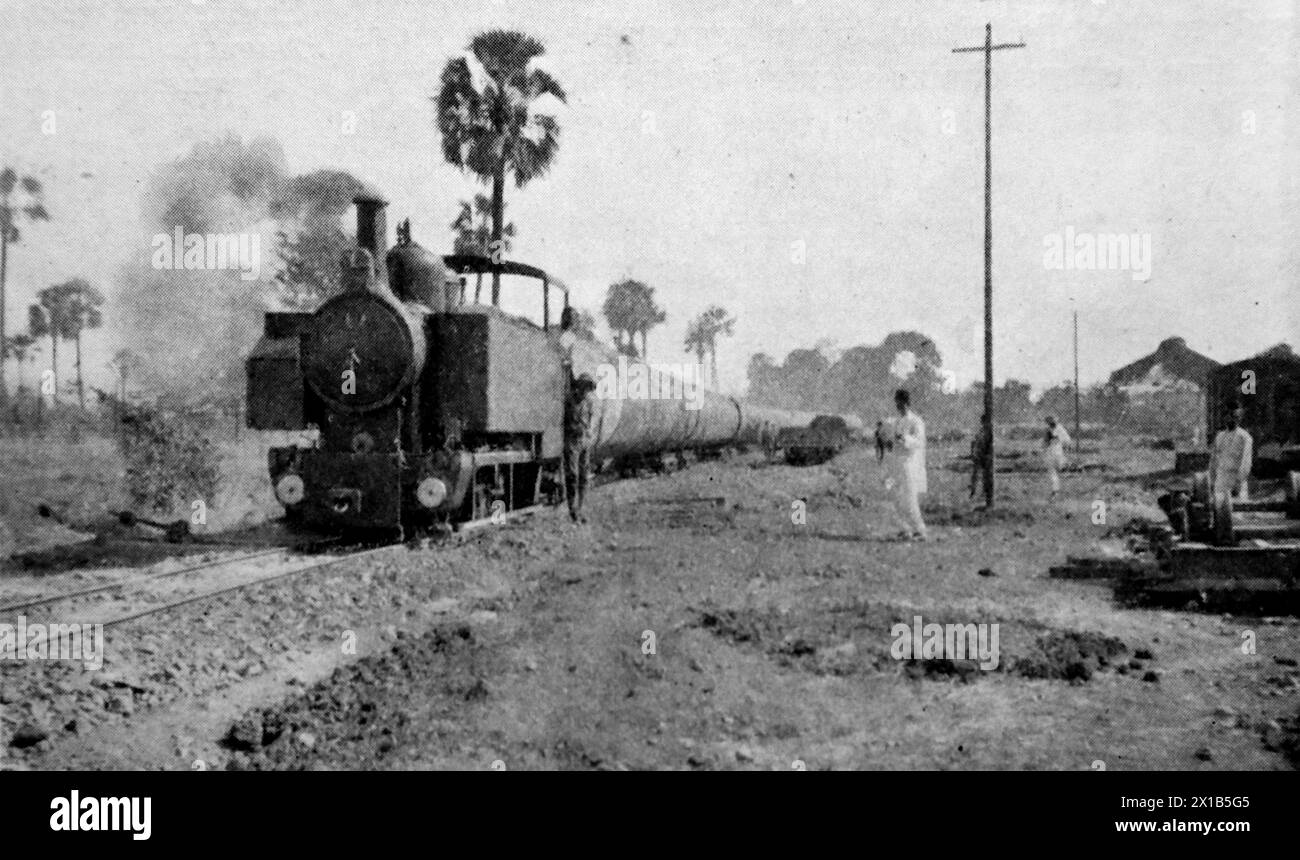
193 325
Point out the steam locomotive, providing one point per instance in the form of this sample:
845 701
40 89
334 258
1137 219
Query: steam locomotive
430 410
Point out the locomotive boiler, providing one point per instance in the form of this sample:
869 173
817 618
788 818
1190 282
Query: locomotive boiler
431 410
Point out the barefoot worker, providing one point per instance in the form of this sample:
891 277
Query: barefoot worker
1054 442
909 465
578 438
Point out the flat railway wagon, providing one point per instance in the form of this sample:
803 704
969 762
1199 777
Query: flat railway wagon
430 411
821 440
1268 388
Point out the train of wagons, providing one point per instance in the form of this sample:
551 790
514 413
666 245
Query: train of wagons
431 411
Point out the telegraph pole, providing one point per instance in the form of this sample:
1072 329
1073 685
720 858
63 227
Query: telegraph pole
1076 381
987 429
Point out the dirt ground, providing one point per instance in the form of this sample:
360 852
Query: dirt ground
674 631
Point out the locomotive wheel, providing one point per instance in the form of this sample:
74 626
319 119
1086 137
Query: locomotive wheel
1201 488
1293 495
1200 510
1177 513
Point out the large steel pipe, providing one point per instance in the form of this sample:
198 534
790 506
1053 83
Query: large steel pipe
670 416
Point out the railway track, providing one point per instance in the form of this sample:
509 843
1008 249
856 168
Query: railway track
101 588
161 592
240 586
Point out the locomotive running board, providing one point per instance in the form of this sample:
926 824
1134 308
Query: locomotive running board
501 458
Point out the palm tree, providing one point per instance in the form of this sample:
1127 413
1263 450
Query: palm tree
81 304
125 362
648 315
697 340
475 236
584 324
11 210
20 346
65 311
41 321
703 333
492 127
618 310
630 310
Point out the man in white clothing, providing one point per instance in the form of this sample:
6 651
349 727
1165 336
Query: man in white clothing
1054 443
1230 457
909 465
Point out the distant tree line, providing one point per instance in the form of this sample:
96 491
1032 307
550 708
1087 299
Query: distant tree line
62 312
862 380
21 199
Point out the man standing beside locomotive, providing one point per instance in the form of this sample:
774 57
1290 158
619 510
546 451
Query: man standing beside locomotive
909 480
579 411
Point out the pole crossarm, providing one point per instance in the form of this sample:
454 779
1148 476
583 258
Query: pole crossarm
989 47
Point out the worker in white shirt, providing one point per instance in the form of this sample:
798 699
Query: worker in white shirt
1054 442
908 451
1230 457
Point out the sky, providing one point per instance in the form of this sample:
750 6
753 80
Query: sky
813 166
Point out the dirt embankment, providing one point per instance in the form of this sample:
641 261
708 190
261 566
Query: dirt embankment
676 633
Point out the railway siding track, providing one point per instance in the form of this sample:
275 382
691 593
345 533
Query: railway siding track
186 629
116 603
121 601
222 635
246 583
102 587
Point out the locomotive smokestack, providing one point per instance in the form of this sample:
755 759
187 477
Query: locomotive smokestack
372 226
